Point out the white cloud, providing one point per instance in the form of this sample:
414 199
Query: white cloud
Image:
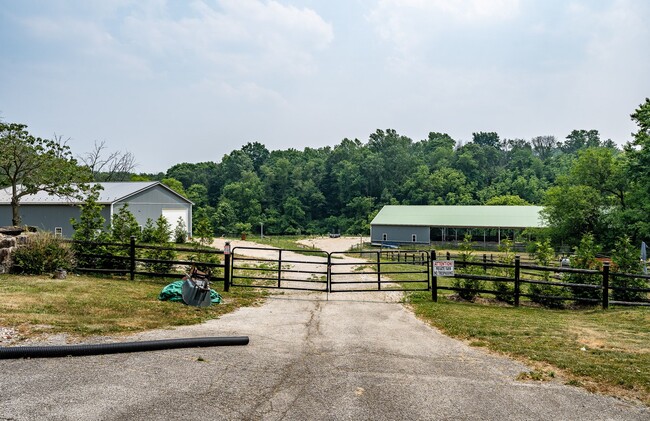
399 19
246 36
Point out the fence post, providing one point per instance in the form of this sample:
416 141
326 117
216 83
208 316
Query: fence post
329 272
279 267
132 258
434 279
226 267
605 285
484 263
379 270
517 284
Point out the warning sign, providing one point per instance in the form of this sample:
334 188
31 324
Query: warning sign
443 268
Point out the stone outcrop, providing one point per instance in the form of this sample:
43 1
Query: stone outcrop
10 238
7 245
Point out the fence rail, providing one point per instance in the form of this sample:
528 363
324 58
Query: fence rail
603 287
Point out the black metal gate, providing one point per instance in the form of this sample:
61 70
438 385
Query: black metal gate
381 271
327 272
271 270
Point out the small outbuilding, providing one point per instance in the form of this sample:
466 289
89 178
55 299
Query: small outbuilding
421 224
146 200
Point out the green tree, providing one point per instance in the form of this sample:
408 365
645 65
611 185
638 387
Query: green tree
148 231
468 288
486 139
88 229
124 225
579 139
162 255
175 185
573 211
543 146
544 294
504 291
180 231
507 200
584 257
625 258
30 164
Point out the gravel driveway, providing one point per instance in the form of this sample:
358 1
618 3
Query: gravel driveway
311 356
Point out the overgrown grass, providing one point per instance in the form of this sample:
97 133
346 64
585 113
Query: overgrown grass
602 350
84 305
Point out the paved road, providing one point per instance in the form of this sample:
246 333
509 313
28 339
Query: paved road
353 357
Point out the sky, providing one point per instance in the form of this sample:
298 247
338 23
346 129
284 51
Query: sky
189 81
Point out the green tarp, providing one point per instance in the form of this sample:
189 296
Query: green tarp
172 292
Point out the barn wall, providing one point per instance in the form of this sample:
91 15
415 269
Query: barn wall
150 204
399 234
47 217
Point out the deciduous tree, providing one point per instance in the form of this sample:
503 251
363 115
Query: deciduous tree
30 165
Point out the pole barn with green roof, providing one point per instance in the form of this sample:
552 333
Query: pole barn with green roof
413 224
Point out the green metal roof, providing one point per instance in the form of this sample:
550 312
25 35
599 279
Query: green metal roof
461 216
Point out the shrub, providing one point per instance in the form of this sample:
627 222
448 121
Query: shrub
504 291
43 253
89 229
541 293
468 287
585 258
180 232
160 236
626 260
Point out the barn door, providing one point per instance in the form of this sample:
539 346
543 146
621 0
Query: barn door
172 216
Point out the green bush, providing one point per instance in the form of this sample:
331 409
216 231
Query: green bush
625 259
504 291
585 258
541 293
43 253
469 288
160 235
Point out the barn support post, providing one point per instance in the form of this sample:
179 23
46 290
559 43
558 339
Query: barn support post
605 285
132 257
434 279
517 279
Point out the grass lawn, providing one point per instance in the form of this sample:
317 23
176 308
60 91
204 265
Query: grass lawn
606 351
84 305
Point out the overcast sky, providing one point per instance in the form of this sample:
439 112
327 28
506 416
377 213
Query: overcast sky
189 81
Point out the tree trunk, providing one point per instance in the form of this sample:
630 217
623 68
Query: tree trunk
15 205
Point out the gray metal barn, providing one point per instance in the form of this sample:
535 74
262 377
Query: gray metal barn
149 199
417 224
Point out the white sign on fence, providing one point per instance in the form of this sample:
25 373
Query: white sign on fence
443 268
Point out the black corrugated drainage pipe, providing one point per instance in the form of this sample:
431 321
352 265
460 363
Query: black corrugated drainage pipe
116 348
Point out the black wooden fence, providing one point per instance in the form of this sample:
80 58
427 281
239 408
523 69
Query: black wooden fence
125 259
601 290
128 259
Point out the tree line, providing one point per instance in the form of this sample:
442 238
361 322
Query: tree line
586 184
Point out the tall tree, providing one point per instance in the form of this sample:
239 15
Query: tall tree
579 139
30 164
543 146
486 139
109 166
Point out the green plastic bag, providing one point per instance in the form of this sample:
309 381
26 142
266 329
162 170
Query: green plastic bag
173 292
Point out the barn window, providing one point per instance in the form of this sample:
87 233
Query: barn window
414 238
384 237
58 232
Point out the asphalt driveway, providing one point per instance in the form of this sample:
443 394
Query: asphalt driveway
352 357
